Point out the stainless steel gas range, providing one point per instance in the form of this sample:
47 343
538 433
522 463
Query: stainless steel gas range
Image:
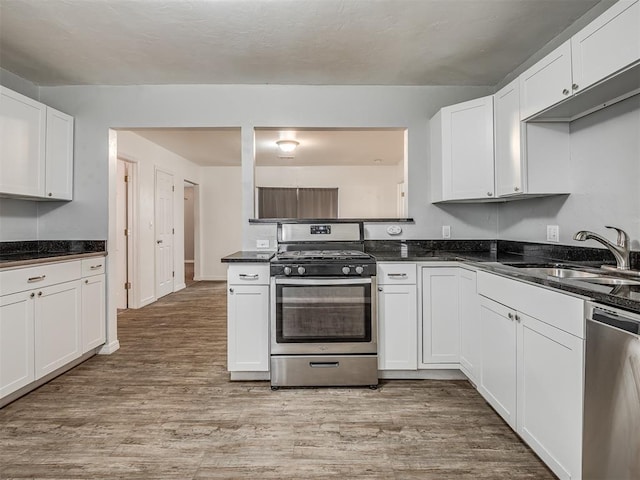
323 307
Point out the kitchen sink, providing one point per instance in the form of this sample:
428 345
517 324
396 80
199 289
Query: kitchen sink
560 272
611 281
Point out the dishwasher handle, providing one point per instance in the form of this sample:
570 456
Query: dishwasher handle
616 319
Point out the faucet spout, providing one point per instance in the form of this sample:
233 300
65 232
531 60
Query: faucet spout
620 249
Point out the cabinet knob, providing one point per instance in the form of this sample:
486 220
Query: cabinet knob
86 281
50 194
517 317
231 290
510 315
575 86
489 194
516 189
32 295
379 289
565 92
39 294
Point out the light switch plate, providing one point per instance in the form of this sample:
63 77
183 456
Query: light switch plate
553 233
262 243
446 231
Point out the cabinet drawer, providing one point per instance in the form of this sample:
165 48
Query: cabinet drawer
28 278
252 273
394 273
557 309
93 266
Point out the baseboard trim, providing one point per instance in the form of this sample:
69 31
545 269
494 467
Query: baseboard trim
109 348
421 375
249 376
179 287
147 301
210 278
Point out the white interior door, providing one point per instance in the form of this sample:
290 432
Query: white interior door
123 228
164 233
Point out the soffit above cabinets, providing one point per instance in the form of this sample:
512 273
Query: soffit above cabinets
315 42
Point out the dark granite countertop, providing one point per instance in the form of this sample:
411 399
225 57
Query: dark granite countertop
248 257
33 252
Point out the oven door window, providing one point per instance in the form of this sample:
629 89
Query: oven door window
323 313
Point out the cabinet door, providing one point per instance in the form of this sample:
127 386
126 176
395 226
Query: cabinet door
467 150
248 328
59 155
498 365
470 348
550 385
57 326
608 44
16 342
547 82
397 327
22 144
440 316
508 130
93 312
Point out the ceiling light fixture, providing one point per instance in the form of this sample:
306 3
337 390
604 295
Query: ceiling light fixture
287 146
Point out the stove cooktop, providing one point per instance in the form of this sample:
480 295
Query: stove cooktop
304 255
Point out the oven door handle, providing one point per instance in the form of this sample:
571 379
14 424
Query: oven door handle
322 281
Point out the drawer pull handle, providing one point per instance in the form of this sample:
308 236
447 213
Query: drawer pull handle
324 364
249 276
95 267
36 279
397 275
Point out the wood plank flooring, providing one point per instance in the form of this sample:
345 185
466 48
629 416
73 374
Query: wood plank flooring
162 407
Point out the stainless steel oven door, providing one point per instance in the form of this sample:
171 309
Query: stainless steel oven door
323 316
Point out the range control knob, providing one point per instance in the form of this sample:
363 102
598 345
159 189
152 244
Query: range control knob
301 270
359 270
287 270
346 270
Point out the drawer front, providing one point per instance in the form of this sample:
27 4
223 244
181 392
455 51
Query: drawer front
396 273
28 278
557 309
93 266
248 273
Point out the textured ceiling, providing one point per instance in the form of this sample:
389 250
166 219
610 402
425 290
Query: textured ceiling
306 42
221 146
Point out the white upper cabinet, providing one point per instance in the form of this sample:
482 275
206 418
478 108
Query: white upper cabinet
462 151
509 158
36 149
22 144
532 159
59 155
608 44
547 82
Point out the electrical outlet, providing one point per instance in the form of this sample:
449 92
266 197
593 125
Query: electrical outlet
262 243
553 233
446 231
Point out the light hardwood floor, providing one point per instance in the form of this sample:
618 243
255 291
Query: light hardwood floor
163 407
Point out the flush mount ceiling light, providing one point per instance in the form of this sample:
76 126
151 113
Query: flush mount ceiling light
287 146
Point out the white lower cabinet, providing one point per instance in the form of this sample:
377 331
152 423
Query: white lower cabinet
16 342
57 327
440 315
532 367
49 317
248 318
470 327
93 312
498 365
397 317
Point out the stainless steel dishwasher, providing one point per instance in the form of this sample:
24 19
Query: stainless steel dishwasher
611 436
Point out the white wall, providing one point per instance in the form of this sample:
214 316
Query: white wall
220 219
363 191
149 158
605 189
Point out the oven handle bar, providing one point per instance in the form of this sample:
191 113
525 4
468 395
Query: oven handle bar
320 281
324 364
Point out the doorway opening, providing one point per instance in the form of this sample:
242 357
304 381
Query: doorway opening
190 197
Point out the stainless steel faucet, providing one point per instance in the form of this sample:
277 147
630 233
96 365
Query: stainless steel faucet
620 249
